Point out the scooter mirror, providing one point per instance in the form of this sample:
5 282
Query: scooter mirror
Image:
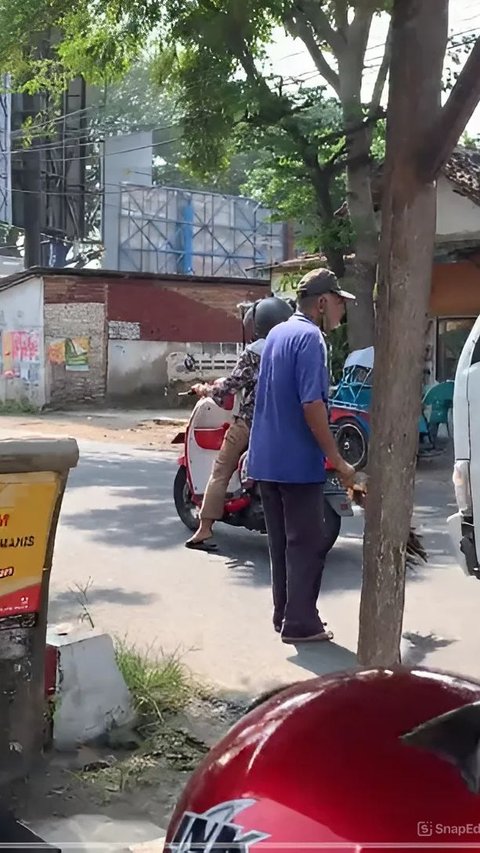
190 364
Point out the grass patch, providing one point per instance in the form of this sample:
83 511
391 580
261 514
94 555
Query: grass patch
160 685
18 407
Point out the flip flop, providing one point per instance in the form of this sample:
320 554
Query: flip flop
204 545
323 637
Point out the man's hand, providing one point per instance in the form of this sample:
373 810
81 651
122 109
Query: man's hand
346 473
200 390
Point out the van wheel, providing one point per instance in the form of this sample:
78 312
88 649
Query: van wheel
333 523
187 510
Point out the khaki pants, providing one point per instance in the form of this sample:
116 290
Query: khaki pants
234 443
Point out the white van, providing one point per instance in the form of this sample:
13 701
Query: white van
464 526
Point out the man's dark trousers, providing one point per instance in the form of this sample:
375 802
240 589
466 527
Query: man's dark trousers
294 517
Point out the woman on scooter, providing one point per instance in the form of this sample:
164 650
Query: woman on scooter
258 321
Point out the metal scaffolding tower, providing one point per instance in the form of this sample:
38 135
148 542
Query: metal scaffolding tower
168 230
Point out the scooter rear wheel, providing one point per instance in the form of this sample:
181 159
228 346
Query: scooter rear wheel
352 442
186 509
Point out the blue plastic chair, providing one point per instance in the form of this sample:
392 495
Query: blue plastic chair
439 399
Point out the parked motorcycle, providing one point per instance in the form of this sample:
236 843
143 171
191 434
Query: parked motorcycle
202 441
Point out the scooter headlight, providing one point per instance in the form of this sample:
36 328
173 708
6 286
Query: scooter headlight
461 483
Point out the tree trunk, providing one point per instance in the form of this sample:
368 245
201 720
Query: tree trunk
321 180
419 39
362 273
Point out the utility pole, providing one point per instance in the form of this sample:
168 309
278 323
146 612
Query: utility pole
32 188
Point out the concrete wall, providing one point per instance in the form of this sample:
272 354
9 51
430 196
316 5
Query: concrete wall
75 340
22 374
128 160
458 218
156 369
456 290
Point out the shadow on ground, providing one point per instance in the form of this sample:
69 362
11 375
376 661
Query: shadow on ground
134 508
420 646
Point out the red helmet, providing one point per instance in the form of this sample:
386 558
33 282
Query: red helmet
340 763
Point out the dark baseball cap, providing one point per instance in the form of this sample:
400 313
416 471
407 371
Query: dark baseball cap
320 281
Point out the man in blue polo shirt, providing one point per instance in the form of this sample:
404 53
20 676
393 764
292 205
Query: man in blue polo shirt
289 441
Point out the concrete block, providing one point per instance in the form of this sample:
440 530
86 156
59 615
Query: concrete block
91 694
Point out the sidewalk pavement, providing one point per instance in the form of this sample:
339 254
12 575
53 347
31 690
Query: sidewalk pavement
92 833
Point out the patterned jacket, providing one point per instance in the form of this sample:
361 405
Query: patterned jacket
243 378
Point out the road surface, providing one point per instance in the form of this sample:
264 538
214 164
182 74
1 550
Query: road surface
119 529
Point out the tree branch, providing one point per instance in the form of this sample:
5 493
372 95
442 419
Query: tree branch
299 27
382 75
341 16
318 19
330 163
453 118
359 31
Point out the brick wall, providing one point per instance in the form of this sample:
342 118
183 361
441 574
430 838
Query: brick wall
85 320
59 289
192 312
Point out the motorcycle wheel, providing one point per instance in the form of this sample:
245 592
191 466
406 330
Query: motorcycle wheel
186 509
352 443
333 523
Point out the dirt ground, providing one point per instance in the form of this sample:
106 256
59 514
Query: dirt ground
122 785
142 430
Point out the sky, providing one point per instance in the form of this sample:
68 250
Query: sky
289 57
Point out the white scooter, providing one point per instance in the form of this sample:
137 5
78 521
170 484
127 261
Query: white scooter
202 441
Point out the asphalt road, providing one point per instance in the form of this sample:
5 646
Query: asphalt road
119 529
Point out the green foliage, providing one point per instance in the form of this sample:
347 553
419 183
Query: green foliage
339 349
379 140
471 142
280 178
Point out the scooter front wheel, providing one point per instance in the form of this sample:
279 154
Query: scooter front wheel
186 508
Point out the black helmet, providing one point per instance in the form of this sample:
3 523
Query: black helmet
265 314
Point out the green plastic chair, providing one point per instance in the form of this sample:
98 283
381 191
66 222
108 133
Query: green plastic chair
439 399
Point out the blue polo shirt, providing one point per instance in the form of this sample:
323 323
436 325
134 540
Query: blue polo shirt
293 371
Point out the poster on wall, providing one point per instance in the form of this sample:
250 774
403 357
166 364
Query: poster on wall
71 352
27 503
21 355
76 354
